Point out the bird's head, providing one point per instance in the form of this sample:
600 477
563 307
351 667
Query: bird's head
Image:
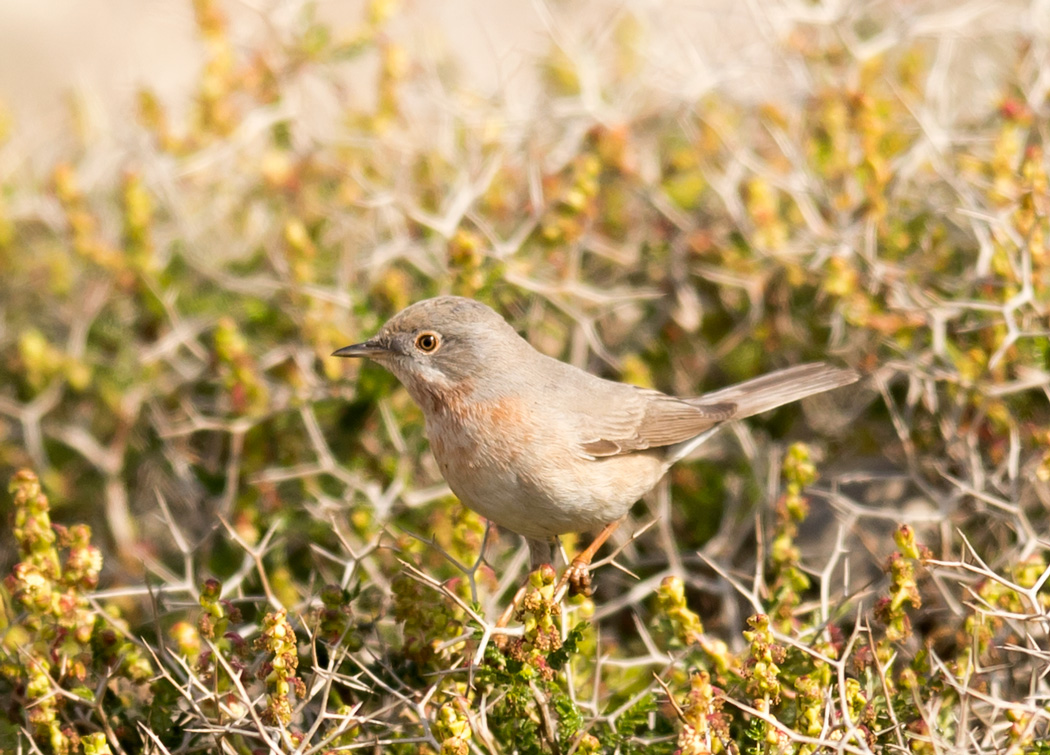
444 347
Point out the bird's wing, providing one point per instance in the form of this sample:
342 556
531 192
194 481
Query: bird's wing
649 419
615 418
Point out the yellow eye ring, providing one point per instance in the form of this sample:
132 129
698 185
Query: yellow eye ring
428 342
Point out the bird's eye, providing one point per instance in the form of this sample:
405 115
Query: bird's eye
427 342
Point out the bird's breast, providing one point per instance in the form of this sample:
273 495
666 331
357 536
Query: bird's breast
520 466
479 435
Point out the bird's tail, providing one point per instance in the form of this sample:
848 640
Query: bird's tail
779 388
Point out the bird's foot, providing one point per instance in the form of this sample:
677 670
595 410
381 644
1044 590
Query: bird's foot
578 578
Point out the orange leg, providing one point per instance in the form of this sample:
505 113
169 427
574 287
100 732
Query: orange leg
577 575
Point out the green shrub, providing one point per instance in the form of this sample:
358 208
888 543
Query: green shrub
244 544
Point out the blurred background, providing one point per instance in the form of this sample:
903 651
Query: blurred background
102 54
200 200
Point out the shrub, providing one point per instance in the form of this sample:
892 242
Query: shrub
244 545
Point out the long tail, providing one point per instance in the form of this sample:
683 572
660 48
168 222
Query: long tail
779 388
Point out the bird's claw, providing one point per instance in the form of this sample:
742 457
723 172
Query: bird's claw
578 577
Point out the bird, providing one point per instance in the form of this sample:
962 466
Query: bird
540 447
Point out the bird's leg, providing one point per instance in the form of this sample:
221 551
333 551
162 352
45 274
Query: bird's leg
577 575
540 552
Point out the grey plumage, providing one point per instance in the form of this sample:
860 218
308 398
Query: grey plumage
539 446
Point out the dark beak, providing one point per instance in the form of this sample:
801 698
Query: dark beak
368 349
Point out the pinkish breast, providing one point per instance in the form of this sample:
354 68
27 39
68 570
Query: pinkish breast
517 470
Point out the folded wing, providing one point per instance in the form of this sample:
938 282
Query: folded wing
650 419
655 420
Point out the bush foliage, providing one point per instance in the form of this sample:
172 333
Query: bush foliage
256 552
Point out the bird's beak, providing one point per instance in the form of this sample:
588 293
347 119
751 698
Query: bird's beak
370 349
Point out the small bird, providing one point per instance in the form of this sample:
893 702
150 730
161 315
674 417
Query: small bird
543 448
